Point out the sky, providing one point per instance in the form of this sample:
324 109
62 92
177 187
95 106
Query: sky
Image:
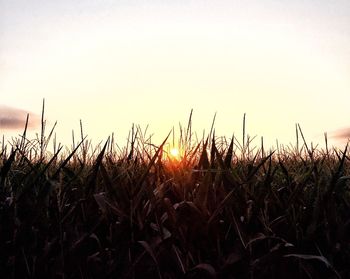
115 63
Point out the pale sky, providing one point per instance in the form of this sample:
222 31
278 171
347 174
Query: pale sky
114 63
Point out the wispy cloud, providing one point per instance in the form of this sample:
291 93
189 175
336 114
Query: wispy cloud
13 118
342 133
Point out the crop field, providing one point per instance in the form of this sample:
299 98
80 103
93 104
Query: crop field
221 208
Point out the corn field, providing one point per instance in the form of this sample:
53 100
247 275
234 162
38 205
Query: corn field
223 209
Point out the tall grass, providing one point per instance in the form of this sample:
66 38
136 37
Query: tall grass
224 209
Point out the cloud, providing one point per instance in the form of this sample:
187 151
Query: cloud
14 118
342 133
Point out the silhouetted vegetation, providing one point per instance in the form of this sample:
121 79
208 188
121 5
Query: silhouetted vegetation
223 210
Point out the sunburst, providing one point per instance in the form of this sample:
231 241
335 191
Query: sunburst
175 153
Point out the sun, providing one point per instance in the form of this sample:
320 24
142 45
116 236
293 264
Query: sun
174 152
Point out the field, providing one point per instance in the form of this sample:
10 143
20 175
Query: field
222 209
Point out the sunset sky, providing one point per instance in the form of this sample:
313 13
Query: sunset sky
114 63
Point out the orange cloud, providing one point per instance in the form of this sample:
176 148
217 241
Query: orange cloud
14 118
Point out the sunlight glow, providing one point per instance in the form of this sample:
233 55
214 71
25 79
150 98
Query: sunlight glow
174 152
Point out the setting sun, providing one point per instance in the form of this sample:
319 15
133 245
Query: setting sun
174 152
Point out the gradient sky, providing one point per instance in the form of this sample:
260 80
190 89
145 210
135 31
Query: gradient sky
114 63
